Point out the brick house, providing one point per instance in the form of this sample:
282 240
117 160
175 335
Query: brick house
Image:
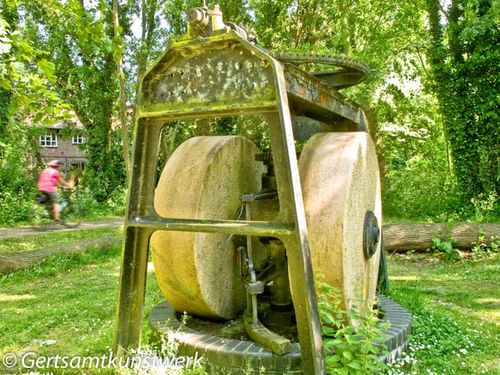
59 143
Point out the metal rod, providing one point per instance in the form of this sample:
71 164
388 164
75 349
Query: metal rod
244 228
248 216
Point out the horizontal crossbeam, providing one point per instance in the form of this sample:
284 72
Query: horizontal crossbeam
317 100
244 228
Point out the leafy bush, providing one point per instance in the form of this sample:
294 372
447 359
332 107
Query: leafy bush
421 189
89 207
17 182
349 350
14 208
446 248
480 249
485 207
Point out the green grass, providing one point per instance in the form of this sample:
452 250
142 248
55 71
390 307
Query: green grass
456 311
38 241
68 299
66 305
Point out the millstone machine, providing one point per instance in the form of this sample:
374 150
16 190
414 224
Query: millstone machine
239 233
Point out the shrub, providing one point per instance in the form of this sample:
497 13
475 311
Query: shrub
423 189
349 350
89 207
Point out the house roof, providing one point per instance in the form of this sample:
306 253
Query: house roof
66 124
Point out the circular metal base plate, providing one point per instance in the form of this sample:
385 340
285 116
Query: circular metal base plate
226 355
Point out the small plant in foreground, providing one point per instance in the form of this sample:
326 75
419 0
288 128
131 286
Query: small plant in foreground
446 248
349 349
480 249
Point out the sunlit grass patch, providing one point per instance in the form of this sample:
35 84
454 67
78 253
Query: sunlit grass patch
49 239
453 331
73 305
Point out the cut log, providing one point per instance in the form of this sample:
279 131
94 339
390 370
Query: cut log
419 236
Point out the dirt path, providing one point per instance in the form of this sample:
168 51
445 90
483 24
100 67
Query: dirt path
29 231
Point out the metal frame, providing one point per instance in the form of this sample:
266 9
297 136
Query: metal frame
294 92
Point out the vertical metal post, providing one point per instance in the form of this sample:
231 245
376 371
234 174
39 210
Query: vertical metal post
292 211
136 240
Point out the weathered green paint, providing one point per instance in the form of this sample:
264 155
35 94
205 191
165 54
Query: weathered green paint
235 76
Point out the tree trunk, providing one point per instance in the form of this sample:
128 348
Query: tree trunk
123 93
419 236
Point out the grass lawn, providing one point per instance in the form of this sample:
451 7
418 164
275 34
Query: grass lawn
66 306
30 243
456 312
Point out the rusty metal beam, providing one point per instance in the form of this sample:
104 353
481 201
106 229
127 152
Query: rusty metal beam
310 97
136 240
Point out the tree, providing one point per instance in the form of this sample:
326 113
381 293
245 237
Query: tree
465 62
26 97
79 37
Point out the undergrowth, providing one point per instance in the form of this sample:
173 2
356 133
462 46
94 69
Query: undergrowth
349 349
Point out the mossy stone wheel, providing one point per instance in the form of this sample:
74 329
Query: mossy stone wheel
340 183
203 179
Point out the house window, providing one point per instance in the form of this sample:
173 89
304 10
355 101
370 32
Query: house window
78 139
48 140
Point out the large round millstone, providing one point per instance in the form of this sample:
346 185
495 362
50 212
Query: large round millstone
203 179
340 183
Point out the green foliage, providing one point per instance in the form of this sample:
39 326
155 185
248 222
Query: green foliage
78 38
16 180
25 75
420 188
481 249
348 350
446 248
26 95
464 59
485 207
89 207
13 209
434 129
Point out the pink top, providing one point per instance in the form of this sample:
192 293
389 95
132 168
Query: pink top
48 180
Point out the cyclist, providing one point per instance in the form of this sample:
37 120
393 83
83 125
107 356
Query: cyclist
47 185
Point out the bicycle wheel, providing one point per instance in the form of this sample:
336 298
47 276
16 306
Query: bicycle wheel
69 216
40 218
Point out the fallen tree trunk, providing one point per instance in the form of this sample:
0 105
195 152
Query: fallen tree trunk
419 236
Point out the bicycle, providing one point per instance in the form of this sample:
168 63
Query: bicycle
42 218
